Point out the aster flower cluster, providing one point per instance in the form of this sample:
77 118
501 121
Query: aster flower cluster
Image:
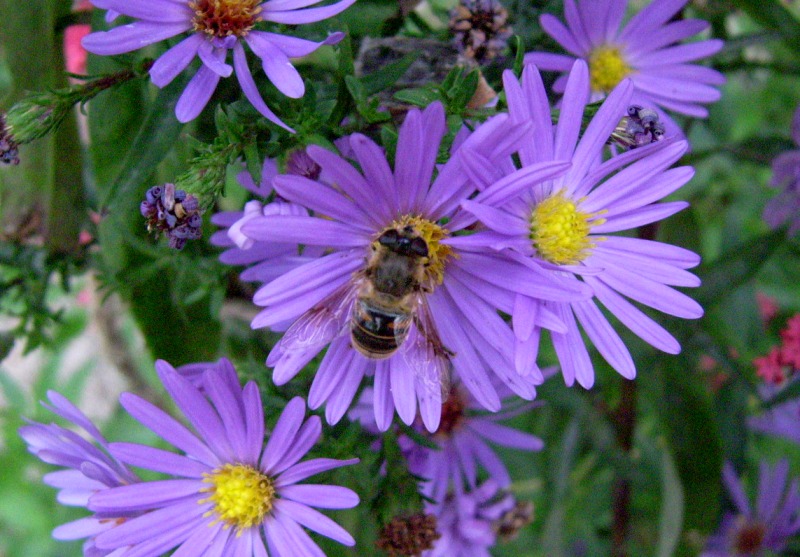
412 264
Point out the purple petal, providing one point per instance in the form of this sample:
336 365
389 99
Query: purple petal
605 338
196 95
305 230
383 404
306 438
254 420
198 411
132 36
553 27
214 59
145 496
320 496
163 425
158 460
277 66
303 470
295 47
322 199
641 325
735 489
402 381
314 520
375 166
679 54
310 15
249 88
506 436
165 527
353 184
156 11
283 435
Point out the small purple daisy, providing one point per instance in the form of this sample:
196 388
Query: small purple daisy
228 495
89 468
400 295
565 225
785 207
216 27
463 441
266 261
471 522
751 532
644 51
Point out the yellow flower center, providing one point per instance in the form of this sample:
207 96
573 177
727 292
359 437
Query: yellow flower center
242 495
560 230
607 68
222 18
432 234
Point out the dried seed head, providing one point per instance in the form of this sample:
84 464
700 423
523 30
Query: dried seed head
408 536
508 526
481 29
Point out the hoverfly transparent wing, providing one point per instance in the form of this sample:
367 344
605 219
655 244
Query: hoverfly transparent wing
323 322
424 353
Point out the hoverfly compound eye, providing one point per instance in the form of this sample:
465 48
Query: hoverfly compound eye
389 238
419 247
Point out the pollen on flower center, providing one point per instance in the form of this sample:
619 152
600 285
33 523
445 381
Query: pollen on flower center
432 234
242 495
607 68
560 231
223 18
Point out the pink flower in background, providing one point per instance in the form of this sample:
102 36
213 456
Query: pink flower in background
74 53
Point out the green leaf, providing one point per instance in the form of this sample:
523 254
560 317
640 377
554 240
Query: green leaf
157 134
789 392
671 520
387 75
774 16
553 543
736 266
694 440
519 56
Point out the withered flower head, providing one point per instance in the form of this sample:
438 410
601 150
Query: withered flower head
408 536
481 29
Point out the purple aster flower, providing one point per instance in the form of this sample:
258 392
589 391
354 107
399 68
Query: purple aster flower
265 260
228 494
400 293
88 469
565 224
463 441
469 522
216 27
751 532
785 207
645 51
